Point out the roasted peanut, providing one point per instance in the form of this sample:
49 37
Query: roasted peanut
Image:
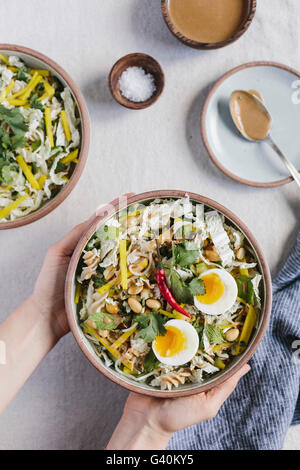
135 305
145 294
232 334
134 289
112 308
153 304
212 254
91 323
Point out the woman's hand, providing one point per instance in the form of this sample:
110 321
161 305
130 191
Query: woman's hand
148 423
48 295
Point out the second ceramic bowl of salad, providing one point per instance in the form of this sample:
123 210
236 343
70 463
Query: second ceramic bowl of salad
44 135
168 293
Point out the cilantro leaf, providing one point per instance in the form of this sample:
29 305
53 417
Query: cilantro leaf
104 321
185 254
245 289
35 145
15 119
197 287
35 103
18 141
151 325
180 290
151 362
23 74
214 334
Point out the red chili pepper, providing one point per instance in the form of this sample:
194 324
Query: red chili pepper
164 289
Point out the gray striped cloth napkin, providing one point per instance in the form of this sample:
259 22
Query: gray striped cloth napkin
267 400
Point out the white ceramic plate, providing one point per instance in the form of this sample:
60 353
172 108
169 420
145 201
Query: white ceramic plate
250 163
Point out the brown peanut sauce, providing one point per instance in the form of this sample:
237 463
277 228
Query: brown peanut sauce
249 114
208 21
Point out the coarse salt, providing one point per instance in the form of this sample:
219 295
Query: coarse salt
136 85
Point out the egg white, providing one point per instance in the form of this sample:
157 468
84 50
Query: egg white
190 348
228 298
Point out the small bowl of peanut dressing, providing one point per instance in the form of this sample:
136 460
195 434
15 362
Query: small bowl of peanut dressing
207 24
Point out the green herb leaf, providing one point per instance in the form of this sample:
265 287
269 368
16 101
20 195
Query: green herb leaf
35 145
18 141
214 334
151 362
8 173
15 119
185 254
99 280
23 74
180 290
245 289
151 325
35 103
104 321
60 167
197 287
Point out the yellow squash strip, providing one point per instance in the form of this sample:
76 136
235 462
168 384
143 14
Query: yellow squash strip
249 324
124 337
123 263
31 85
220 364
48 124
70 158
42 181
242 301
221 346
173 314
4 59
106 344
13 69
43 73
77 294
27 172
244 272
49 91
17 102
6 210
65 124
8 188
6 91
109 285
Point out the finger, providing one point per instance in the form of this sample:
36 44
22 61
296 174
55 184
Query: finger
67 244
219 394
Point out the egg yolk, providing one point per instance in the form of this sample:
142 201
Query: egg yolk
172 343
214 289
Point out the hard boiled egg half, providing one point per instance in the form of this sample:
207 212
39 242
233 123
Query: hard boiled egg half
220 292
179 345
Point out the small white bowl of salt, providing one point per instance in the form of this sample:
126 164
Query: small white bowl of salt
136 81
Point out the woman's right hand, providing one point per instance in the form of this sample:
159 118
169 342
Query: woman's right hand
148 423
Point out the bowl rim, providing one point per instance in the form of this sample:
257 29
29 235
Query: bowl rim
204 45
115 206
85 138
210 151
135 105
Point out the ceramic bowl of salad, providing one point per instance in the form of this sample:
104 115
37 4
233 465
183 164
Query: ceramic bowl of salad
168 293
44 135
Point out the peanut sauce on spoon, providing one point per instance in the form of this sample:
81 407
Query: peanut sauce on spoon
250 115
208 21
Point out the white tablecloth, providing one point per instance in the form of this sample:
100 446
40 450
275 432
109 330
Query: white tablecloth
67 404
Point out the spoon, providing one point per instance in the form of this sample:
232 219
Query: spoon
253 121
